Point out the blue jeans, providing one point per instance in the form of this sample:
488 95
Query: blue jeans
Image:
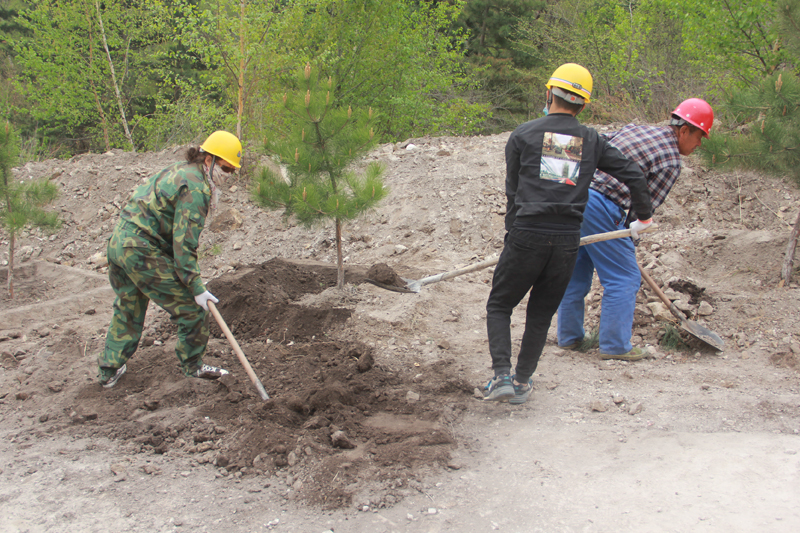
615 262
541 263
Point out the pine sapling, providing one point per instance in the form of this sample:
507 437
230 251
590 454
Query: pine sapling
320 144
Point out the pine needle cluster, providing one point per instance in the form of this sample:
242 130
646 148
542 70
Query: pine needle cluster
321 140
768 134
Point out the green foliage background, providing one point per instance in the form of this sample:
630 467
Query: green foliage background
428 67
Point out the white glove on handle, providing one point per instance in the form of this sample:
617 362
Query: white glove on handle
202 299
639 225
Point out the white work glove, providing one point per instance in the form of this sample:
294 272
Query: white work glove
639 225
202 299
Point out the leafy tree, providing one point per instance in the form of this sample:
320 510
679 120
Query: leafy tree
319 144
635 51
737 39
400 57
20 203
238 40
81 68
502 62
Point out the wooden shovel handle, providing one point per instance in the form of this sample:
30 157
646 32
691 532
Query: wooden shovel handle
239 353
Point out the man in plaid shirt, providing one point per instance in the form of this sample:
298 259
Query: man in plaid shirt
657 150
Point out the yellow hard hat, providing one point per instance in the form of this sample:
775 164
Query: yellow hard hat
224 145
573 78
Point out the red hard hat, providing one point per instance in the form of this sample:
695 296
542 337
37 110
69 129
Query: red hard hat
696 112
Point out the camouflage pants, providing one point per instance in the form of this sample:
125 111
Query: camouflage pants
138 275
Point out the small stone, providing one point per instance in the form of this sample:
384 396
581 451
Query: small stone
340 440
44 418
443 344
599 407
635 409
412 397
119 472
22 396
432 510
705 309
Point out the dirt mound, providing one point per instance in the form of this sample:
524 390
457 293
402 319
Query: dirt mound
336 419
255 301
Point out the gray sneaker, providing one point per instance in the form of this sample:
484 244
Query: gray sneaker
209 372
109 381
499 389
521 392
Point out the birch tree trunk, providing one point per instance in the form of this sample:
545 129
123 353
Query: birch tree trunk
114 78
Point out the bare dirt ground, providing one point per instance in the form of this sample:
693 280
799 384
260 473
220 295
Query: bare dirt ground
374 422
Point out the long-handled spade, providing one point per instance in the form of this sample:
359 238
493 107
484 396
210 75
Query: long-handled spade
695 329
414 285
239 353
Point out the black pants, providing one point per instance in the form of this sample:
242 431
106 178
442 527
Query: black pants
541 263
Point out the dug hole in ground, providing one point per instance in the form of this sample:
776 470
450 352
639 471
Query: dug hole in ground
374 422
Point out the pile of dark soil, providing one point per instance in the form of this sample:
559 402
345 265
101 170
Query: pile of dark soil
335 420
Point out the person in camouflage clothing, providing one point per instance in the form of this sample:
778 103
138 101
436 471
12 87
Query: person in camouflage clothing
152 255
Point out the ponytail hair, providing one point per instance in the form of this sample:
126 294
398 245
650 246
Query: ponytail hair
195 155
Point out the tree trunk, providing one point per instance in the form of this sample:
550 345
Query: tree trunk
339 260
114 78
242 67
103 120
11 267
786 271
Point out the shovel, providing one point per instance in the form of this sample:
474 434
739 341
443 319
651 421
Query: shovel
695 329
239 353
414 285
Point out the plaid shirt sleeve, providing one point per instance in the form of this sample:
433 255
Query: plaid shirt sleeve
655 149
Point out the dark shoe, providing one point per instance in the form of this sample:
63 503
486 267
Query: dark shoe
574 346
499 389
109 381
635 354
521 392
209 372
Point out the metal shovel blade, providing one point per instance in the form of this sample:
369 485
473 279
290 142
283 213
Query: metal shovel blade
690 326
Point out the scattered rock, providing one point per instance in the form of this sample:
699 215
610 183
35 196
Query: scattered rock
705 309
119 472
340 440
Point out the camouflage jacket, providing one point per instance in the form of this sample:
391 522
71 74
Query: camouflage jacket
168 212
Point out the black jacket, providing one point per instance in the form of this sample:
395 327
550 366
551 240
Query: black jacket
544 182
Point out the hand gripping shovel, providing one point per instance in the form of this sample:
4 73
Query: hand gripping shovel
414 285
239 353
694 328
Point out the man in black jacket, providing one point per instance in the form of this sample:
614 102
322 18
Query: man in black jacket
549 166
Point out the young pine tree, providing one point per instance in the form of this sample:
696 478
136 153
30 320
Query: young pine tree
321 140
20 203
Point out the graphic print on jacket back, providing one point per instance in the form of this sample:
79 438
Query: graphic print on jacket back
561 158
